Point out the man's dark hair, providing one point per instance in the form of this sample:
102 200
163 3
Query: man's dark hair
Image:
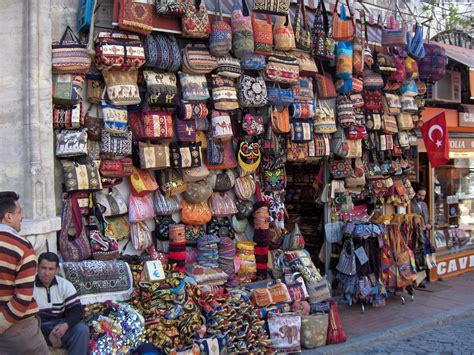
7 202
49 256
421 188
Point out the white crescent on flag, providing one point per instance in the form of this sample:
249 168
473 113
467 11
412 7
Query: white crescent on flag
434 128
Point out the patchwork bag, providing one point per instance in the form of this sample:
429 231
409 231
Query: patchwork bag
283 36
80 177
68 117
198 60
224 94
262 35
220 39
154 156
71 143
252 92
188 156
162 52
195 22
157 125
116 145
193 87
282 69
162 89
242 30
342 27
186 130
302 110
302 28
70 55
67 89
118 51
278 7
228 66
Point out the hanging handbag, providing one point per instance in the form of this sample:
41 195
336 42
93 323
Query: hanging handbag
116 168
118 228
356 132
392 104
70 55
195 213
228 66
302 28
339 144
224 94
325 86
245 187
347 259
197 192
341 169
154 156
373 121
297 152
118 51
283 36
162 89
280 119
242 30
278 7
67 89
115 119
301 131
71 143
198 60
252 125
253 62
389 124
282 69
307 64
188 156
345 111
140 236
372 80
320 146
221 125
162 52
358 46
93 124
193 87
408 105
116 145
405 121
323 43
195 174
185 130
355 148
394 37
140 208
222 204
195 22
302 110
342 27
165 206
325 119
171 7
357 177
273 174
170 182
95 86
336 333
157 125
220 39
252 91
416 48
344 60
142 182
78 248
262 35
111 202
303 91
81 177
68 117
192 110
373 100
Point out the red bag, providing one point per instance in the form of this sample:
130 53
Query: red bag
336 334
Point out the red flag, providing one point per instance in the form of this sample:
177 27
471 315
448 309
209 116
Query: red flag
435 136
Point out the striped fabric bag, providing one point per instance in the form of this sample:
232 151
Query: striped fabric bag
70 55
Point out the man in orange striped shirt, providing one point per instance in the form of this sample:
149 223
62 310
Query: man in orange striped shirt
20 331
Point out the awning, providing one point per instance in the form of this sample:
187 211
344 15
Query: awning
462 55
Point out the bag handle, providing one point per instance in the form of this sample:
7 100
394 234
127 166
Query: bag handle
219 10
321 10
245 9
72 35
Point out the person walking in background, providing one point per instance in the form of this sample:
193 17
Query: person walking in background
20 331
60 309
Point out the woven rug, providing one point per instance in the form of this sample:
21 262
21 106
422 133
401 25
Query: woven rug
99 281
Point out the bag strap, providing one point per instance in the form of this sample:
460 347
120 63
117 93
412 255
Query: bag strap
69 32
245 9
219 10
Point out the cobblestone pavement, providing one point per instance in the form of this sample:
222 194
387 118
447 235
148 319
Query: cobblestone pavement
453 338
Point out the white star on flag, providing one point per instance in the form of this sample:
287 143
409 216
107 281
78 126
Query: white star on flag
439 143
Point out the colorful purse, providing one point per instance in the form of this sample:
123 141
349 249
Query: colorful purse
252 92
325 86
325 119
193 87
122 87
116 168
297 152
195 22
394 37
162 52
341 169
80 177
188 156
71 143
283 36
222 204
344 60
278 7
262 35
111 202
221 125
165 206
118 51
142 182
70 55
67 89
280 119
220 39
278 96
301 131
154 156
158 125
171 7
345 111
302 110
198 60
195 213
224 94
342 27
116 145
140 208
68 117
162 89
242 30
252 125
186 130
140 236
192 110
304 90
323 43
229 67
389 124
253 62
302 28
115 119
282 69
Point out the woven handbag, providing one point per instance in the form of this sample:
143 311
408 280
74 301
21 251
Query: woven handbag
304 90
280 119
224 93
283 36
122 88
416 48
154 156
198 60
393 36
275 7
68 117
359 44
71 143
118 51
325 86
282 69
193 87
186 156
252 91
347 259
162 89
242 30
229 66
342 27
157 125
325 119
67 89
262 35
162 52
278 96
307 63
81 177
70 55
165 206
116 145
301 131
136 16
185 130
323 43
220 39
302 110
195 22
302 29
142 182
116 168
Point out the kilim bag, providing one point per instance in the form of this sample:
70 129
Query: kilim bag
323 43
70 55
80 177
304 90
342 27
302 28
301 131
154 156
278 96
112 202
79 248
280 119
282 69
198 60
193 87
321 143
95 86
358 46
136 16
116 168
405 121
165 206
392 103
115 119
242 31
189 156
162 89
224 94
373 100
347 259
336 334
319 291
220 40
253 62
171 7
116 145
307 63
373 121
345 111
71 143
344 60
356 132
67 89
283 36
252 92
221 125
229 66
68 117
325 86
297 152
262 35
325 119
372 80
192 110
302 110
158 124
142 182
118 51
277 7
122 87
389 124
162 52
394 37
185 130
195 22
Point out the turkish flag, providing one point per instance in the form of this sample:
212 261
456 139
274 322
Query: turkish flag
435 136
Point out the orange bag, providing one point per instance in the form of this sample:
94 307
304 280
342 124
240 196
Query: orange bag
280 119
195 213
142 182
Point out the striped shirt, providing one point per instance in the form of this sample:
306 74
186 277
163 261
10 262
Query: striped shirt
58 301
17 276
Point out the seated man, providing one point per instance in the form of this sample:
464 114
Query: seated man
59 308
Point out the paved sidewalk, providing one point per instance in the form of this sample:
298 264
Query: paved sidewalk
439 303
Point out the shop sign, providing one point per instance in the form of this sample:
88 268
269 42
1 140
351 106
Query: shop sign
452 265
461 143
466 119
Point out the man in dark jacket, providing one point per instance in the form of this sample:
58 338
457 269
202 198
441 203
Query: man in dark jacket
59 308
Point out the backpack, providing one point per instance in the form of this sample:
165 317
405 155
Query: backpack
433 66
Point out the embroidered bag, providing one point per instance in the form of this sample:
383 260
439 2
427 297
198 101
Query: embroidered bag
302 110
282 69
71 143
154 156
280 119
278 7
249 156
302 28
192 110
252 91
301 131
242 30
116 145
136 16
297 152
303 91
171 7
70 55
165 206
373 121
224 94
221 125
157 125
342 27
195 22
195 213
186 130
273 174
373 100
142 182
162 52
162 89
325 119
252 125
116 168
68 117
67 89
198 60
228 66
193 87
283 36
325 86
188 156
323 44
253 62
372 80
262 35
118 228
118 51
278 96
220 40
122 87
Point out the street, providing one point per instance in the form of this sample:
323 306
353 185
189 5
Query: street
453 338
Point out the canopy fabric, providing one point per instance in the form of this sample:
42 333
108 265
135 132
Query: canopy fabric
462 55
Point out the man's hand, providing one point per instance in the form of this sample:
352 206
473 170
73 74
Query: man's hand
60 330
428 226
